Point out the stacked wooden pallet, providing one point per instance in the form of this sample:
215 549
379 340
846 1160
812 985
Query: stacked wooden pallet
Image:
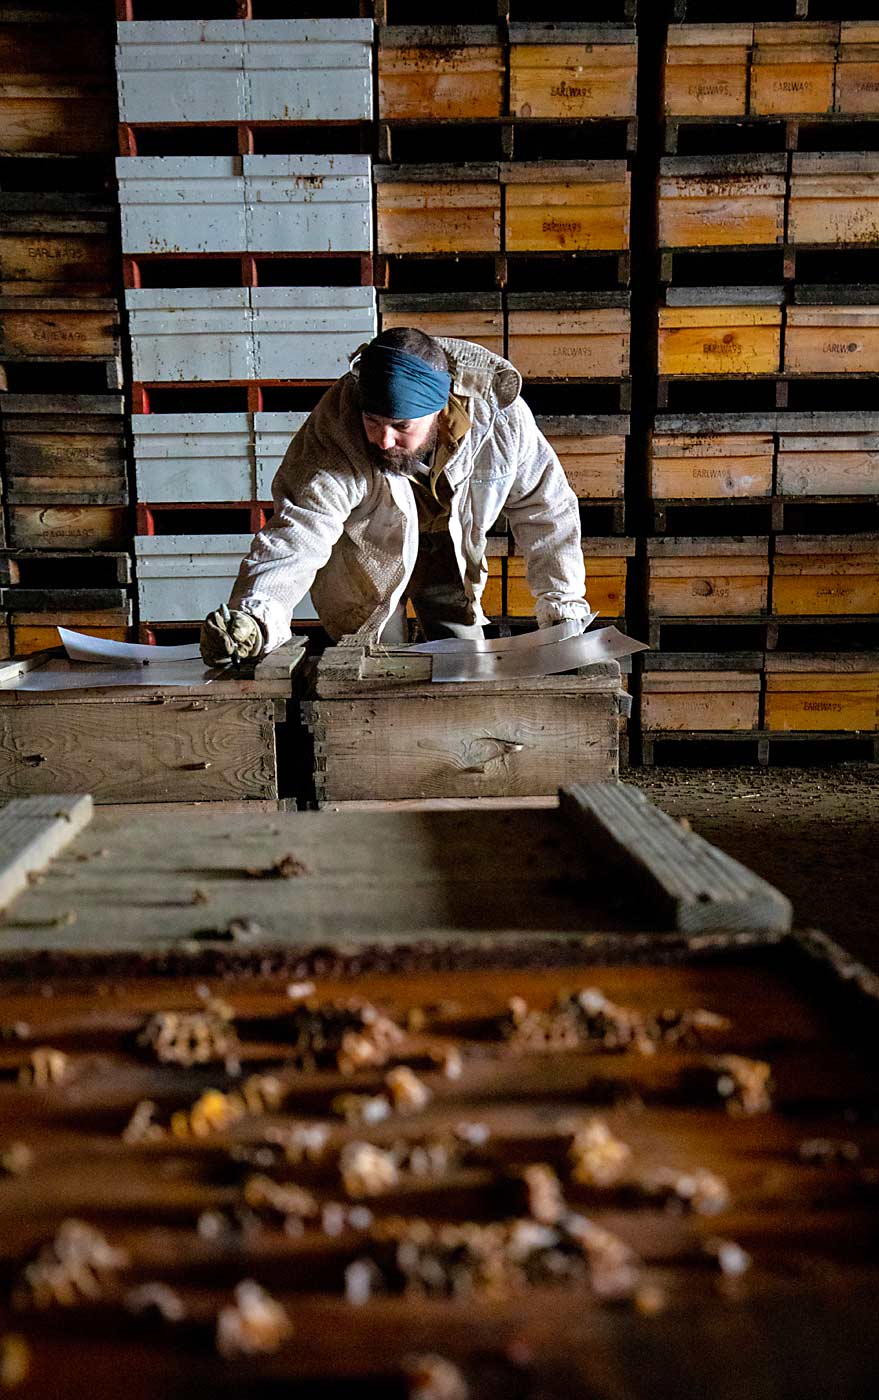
64 477
763 568
248 274
527 257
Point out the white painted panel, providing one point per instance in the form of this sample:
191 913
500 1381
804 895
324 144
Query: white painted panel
181 578
182 204
181 71
309 70
310 332
190 334
193 457
309 203
272 434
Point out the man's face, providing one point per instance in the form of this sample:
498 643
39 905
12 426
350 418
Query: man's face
399 444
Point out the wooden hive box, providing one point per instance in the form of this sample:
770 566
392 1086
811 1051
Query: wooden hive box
831 340
308 70
695 465
68 526
700 692
272 434
793 69
182 204
60 449
840 461
181 578
577 71
592 451
834 199
706 70
35 630
56 84
689 577
720 331
606 560
822 692
181 71
721 201
566 206
51 253
569 335
200 743
438 208
465 316
309 332
227 71
308 204
383 731
825 574
193 457
440 73
55 328
857 68
190 334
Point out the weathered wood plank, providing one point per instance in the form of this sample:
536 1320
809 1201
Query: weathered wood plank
32 831
688 881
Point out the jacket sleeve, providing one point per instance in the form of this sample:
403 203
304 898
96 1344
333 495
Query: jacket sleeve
315 490
545 519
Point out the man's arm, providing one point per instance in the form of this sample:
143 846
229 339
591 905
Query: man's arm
315 491
545 519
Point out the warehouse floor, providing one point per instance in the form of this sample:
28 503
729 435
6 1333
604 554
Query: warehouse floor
812 832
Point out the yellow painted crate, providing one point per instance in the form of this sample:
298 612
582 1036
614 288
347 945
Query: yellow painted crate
420 76
836 575
590 343
438 209
594 77
566 206
594 460
835 692
476 318
706 70
857 68
697 466
734 340
606 571
834 199
701 700
695 577
828 464
793 69
721 201
832 340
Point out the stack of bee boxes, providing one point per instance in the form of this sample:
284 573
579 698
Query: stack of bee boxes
478 238
247 241
763 564
64 482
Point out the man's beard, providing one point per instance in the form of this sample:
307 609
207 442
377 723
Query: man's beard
401 463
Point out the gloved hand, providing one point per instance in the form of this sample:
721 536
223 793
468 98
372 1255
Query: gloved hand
225 633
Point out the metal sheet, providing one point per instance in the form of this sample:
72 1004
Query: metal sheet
530 663
542 637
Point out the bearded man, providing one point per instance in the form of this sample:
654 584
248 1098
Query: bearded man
388 493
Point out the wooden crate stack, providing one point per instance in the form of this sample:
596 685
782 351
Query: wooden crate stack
247 251
763 563
529 257
65 523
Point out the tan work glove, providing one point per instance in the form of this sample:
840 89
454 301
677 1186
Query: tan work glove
228 637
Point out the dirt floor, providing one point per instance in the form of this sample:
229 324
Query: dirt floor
813 832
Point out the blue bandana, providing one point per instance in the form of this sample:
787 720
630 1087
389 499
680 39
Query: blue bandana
394 384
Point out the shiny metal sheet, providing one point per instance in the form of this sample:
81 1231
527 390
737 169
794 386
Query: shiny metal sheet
532 662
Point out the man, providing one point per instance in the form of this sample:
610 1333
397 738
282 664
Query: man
388 492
